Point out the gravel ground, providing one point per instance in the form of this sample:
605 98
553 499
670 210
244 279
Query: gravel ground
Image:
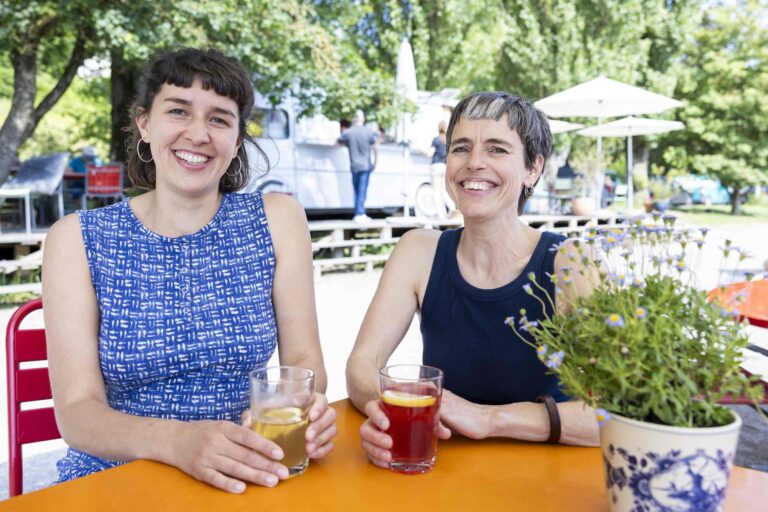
342 299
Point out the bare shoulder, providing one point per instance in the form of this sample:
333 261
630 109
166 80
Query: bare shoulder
286 218
65 235
411 261
418 244
283 209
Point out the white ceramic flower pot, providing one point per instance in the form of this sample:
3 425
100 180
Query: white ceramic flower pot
657 468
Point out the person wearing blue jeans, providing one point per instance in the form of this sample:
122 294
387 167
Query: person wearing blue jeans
360 186
361 143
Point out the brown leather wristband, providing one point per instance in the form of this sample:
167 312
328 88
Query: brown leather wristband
554 418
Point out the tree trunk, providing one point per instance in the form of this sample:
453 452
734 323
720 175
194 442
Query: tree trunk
21 115
24 117
123 91
736 201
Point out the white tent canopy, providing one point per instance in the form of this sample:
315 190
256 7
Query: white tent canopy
603 97
556 126
629 127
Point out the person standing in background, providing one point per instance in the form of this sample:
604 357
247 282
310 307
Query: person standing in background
77 167
361 143
442 200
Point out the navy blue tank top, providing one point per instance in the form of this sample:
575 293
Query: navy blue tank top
465 335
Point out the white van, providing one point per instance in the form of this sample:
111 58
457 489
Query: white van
307 162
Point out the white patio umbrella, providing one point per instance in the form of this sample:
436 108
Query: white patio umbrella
629 127
405 82
602 98
556 126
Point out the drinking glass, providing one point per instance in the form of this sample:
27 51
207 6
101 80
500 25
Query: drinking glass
280 400
410 396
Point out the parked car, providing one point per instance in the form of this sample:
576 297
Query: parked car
694 189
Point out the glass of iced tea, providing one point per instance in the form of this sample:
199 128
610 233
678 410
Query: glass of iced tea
410 396
280 400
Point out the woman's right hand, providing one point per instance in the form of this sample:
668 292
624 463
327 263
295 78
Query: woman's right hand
227 455
376 442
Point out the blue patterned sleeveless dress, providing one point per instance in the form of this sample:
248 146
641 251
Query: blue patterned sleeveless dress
182 320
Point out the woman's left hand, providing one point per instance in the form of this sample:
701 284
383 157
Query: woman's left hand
322 428
464 417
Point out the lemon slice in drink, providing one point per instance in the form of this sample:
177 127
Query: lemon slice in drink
405 399
282 416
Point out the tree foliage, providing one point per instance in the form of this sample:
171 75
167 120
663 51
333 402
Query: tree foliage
723 82
338 56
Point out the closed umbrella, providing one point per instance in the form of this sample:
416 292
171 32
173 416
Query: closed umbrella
405 81
629 127
602 98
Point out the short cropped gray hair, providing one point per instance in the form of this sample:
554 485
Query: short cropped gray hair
529 122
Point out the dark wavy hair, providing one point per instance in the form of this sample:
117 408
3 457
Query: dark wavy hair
530 123
226 76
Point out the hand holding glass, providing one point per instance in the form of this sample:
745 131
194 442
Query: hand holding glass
410 397
280 400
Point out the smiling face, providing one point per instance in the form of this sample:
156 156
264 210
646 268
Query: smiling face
485 168
193 136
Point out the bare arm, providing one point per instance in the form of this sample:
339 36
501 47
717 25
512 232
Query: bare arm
218 452
293 294
293 297
390 313
527 421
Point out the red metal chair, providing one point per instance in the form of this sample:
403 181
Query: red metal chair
105 181
26 385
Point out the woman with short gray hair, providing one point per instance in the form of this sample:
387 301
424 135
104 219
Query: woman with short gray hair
465 282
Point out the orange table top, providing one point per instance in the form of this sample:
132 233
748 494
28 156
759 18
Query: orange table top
470 475
754 304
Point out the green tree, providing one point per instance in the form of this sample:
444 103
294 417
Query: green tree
280 41
723 84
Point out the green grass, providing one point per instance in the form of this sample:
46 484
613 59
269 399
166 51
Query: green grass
703 215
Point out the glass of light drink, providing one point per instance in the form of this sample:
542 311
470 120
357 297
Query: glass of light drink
410 396
280 400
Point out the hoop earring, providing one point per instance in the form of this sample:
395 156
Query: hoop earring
239 169
138 152
528 191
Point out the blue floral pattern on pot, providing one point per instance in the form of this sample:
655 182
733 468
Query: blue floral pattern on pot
671 482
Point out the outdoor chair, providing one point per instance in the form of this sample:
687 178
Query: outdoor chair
26 385
103 181
37 178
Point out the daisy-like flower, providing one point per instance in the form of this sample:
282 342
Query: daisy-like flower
541 351
615 320
552 277
557 247
638 282
668 219
602 416
699 243
555 360
582 311
567 279
509 320
704 232
528 289
528 325
641 313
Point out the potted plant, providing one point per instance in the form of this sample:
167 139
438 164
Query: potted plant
653 357
581 204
